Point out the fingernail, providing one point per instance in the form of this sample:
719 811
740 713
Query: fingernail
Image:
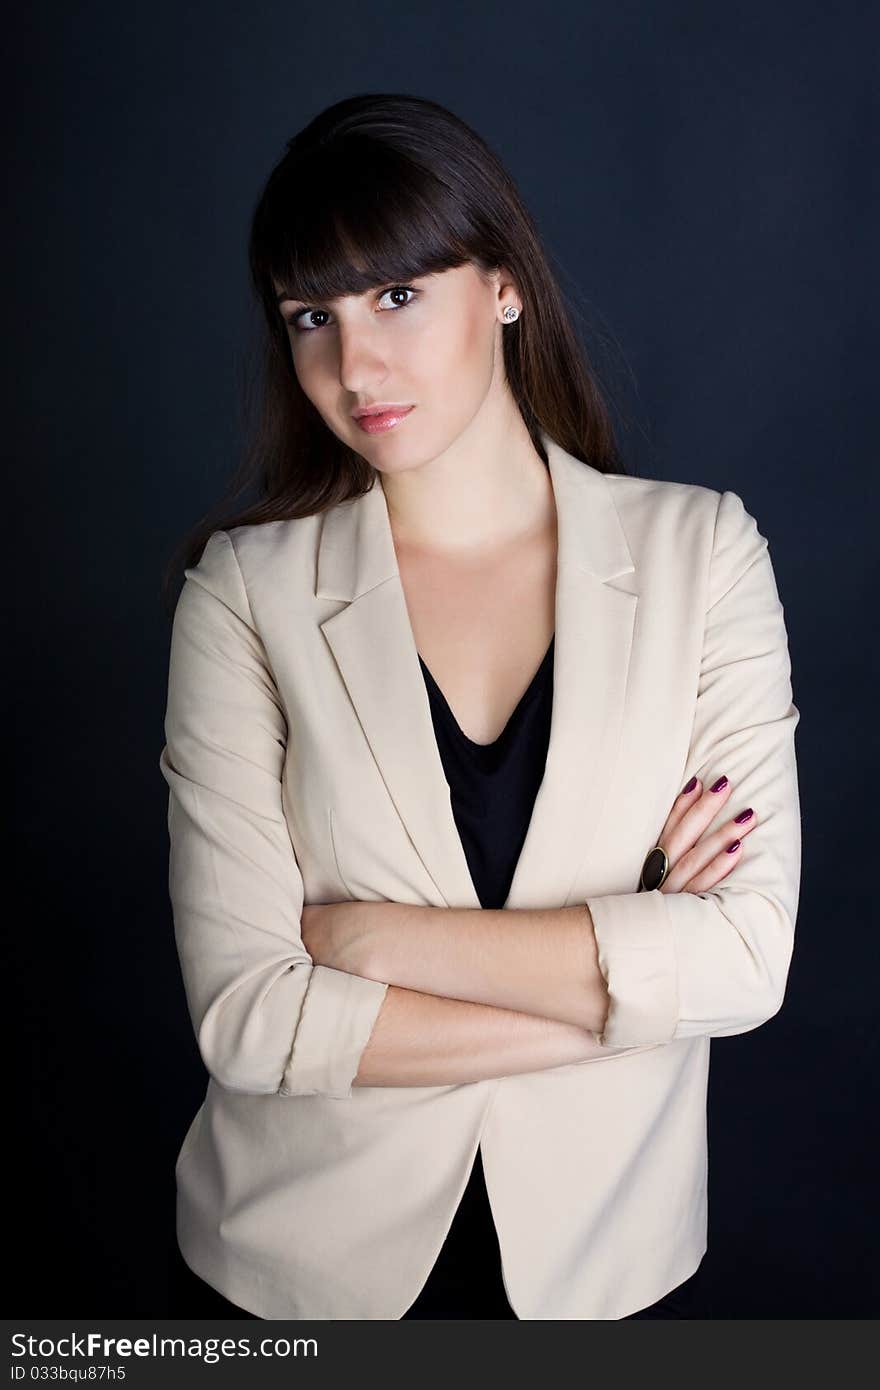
719 785
690 786
744 816
736 844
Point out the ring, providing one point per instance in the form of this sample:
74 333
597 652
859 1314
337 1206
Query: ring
655 869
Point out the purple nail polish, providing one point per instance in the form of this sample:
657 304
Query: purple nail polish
744 816
690 786
719 785
735 845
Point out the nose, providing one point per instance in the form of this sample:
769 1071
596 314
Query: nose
362 364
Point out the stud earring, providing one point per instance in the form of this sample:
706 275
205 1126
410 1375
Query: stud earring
510 313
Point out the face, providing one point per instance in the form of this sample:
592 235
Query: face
433 343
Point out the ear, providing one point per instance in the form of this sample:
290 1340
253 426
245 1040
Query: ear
505 285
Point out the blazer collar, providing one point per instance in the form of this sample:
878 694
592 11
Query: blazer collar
372 642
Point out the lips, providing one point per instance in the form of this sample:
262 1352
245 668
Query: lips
383 420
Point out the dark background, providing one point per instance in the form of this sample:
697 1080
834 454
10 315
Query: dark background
704 179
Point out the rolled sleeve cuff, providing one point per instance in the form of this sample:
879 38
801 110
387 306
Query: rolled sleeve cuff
637 959
336 1019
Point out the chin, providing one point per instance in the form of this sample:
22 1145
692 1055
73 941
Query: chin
387 457
398 465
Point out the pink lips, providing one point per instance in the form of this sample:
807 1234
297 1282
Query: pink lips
376 424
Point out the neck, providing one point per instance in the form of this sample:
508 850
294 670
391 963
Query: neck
489 489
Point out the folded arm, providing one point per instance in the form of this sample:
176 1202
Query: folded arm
533 961
427 1040
269 1018
642 969
681 965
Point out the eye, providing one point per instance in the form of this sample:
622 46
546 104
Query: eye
401 289
297 320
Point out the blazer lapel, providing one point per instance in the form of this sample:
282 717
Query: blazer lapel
594 631
372 642
373 645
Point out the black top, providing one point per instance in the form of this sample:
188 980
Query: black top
492 792
493 785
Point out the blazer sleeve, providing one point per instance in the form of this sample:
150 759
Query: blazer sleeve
267 1020
716 963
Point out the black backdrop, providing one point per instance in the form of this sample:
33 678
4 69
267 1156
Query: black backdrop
704 178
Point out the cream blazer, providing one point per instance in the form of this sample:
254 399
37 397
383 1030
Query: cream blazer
302 767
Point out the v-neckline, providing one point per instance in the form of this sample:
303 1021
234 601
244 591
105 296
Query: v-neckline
529 690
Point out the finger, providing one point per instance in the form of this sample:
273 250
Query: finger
710 850
718 868
697 817
680 807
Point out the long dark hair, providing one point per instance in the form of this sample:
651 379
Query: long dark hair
382 188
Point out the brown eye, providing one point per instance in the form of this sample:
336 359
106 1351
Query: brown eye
401 289
300 314
297 319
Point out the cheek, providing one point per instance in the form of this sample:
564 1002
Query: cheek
304 366
456 357
315 380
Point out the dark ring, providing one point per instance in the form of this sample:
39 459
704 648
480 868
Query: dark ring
655 869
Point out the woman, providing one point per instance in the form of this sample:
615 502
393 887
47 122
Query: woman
467 731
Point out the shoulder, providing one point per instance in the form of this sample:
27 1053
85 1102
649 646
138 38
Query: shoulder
270 544
663 518
235 562
696 533
653 502
654 496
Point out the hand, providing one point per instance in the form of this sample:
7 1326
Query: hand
335 934
695 864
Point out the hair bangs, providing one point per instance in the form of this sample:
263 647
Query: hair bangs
368 234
